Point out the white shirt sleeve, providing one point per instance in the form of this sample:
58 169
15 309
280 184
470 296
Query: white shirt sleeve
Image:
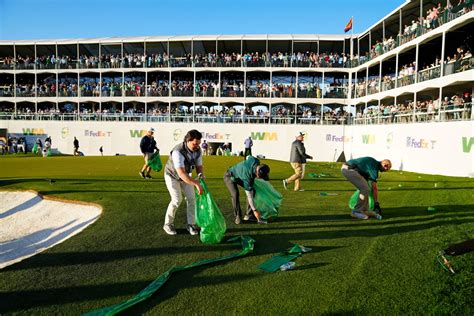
178 159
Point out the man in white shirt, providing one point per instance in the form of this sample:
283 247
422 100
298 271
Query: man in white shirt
182 160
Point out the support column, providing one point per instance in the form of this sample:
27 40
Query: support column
443 52
417 51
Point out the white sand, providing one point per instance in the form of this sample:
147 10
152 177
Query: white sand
30 224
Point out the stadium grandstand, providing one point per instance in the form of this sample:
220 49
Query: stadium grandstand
414 66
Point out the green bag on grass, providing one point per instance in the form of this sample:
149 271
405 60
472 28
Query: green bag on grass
355 197
209 217
155 162
267 200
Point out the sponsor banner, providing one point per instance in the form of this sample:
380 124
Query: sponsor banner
338 139
389 140
33 131
271 136
368 139
215 136
90 133
64 132
420 143
135 133
467 144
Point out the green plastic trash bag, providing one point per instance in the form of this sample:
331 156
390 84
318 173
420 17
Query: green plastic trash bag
355 197
35 149
209 217
155 162
267 200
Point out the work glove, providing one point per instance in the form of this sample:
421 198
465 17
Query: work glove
377 208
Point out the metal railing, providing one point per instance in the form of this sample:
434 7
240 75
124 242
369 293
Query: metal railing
444 113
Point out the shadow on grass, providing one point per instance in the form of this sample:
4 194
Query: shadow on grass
311 266
187 279
80 258
91 180
396 220
15 301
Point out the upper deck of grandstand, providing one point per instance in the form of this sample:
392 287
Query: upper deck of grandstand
417 59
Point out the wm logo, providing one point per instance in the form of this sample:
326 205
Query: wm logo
467 144
264 136
137 133
33 131
368 139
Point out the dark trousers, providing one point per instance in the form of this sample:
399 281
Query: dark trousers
248 152
233 188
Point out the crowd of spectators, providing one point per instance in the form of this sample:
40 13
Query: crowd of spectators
160 60
13 145
434 17
454 107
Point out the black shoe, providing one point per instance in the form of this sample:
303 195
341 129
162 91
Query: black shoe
148 176
142 174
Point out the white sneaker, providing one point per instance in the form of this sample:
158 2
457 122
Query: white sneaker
285 184
169 229
193 229
359 215
378 216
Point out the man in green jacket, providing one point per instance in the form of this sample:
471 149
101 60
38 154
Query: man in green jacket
243 174
358 172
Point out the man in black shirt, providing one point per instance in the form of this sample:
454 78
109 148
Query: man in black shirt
76 146
147 147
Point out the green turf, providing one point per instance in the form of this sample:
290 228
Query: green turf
356 267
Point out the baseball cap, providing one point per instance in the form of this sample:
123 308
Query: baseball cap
264 171
301 134
151 129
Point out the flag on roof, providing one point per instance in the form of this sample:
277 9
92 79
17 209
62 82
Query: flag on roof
348 26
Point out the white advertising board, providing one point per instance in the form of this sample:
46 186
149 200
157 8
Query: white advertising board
434 148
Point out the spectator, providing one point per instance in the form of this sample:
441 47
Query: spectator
76 146
205 148
248 143
298 158
147 147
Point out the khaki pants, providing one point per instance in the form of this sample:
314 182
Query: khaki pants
177 189
299 174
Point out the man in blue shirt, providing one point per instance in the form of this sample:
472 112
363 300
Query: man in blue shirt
243 174
358 172
147 147
248 143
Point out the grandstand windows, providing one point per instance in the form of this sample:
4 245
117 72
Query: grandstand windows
7 54
232 84
7 88
258 84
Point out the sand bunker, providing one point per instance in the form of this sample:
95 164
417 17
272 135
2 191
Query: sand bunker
30 224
